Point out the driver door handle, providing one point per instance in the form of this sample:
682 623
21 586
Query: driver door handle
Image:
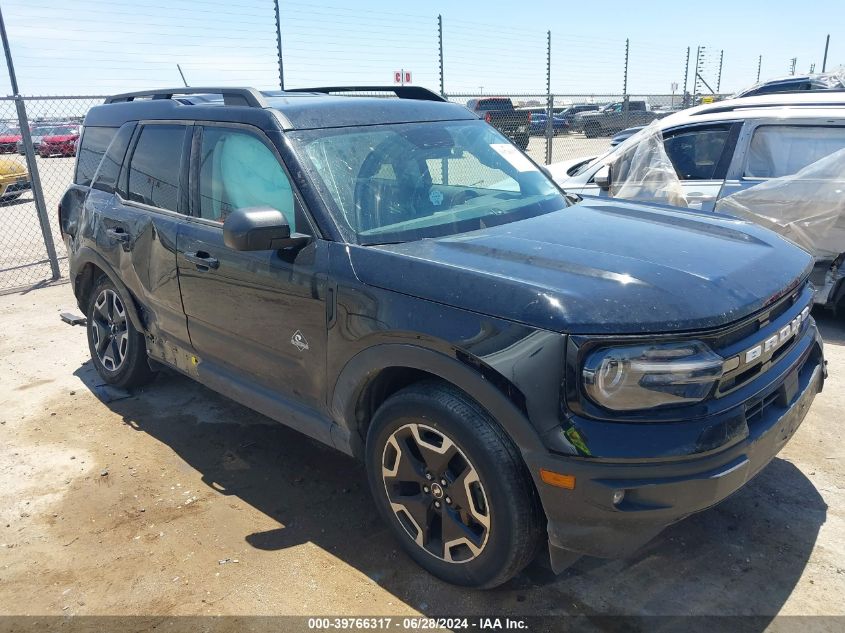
202 260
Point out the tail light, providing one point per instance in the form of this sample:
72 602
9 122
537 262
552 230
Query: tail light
488 117
529 117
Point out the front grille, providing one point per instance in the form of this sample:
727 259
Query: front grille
754 332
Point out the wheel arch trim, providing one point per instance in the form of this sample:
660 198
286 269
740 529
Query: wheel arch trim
362 368
87 256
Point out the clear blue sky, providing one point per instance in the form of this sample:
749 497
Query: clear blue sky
103 46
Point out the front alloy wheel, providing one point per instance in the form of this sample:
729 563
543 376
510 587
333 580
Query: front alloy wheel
452 486
435 493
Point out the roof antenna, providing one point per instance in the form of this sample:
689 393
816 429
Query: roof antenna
183 75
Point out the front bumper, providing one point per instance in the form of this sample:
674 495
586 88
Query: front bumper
664 490
15 186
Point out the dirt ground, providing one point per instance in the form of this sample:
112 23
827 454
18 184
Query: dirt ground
176 501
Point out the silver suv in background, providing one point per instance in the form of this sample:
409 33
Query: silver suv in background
720 149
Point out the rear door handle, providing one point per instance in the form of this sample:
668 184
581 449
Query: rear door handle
118 234
202 260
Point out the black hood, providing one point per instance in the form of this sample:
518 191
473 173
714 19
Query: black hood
598 267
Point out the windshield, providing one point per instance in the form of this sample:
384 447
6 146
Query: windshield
398 183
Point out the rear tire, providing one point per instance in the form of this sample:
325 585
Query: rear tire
118 350
484 524
592 130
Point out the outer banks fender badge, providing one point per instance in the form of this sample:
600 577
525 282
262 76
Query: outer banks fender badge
299 341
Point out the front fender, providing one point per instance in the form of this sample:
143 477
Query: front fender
364 366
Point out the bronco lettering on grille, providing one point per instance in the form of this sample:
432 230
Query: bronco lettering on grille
774 342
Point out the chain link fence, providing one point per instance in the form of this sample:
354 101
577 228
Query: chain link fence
55 123
580 125
25 244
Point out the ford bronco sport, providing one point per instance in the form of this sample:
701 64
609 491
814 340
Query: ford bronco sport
393 277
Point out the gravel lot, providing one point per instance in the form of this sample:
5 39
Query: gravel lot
176 501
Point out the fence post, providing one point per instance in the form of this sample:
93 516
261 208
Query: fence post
549 101
279 46
440 43
719 78
625 88
759 66
697 74
32 165
826 46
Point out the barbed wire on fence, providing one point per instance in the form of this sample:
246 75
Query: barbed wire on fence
100 47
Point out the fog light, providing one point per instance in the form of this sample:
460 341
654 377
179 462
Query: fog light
618 495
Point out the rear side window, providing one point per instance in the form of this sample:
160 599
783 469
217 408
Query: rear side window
93 145
156 165
782 150
695 153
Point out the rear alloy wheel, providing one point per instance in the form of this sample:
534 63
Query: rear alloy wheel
452 486
109 332
118 350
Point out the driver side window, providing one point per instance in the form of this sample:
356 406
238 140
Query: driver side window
237 170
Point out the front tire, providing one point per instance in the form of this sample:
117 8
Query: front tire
452 486
118 350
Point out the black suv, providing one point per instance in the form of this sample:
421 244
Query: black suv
393 277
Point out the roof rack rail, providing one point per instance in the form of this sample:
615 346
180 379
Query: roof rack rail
231 96
403 92
731 105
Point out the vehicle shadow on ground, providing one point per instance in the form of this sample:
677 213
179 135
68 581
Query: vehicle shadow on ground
742 557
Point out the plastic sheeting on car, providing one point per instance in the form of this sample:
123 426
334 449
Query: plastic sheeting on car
807 207
642 170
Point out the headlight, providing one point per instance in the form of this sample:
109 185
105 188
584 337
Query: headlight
648 376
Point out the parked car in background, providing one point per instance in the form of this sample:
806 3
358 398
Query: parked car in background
37 132
61 141
568 113
615 117
792 83
9 138
500 113
612 118
14 179
722 148
625 134
520 375
539 120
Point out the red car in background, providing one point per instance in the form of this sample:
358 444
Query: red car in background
9 138
62 142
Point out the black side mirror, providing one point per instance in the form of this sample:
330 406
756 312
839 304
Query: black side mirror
259 229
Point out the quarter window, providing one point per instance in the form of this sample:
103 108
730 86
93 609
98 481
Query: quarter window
782 150
155 169
93 145
237 170
695 153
